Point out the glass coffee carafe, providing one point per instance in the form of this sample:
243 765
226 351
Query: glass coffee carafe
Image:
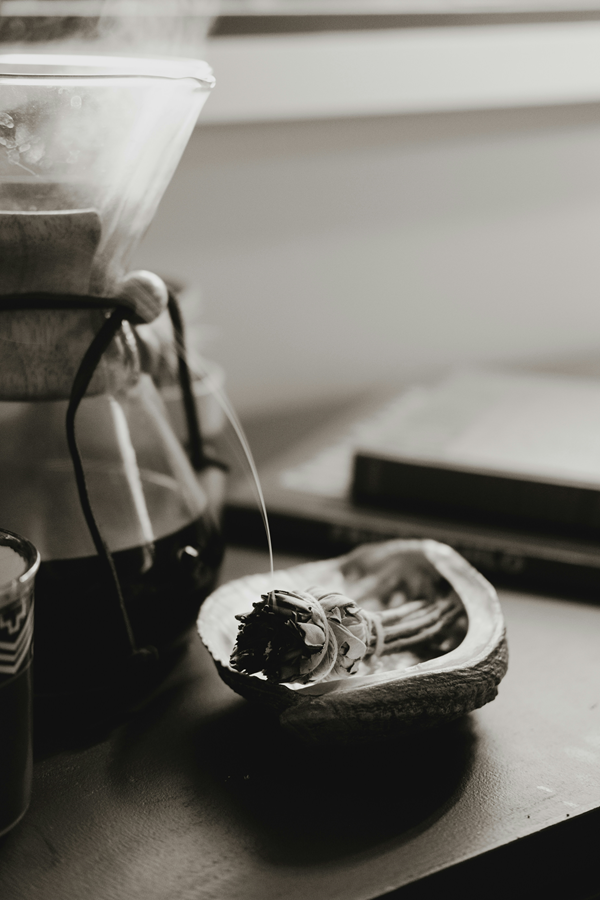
90 469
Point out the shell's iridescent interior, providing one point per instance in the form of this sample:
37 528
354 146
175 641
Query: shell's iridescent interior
376 583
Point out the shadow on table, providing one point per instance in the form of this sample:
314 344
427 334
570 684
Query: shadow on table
222 759
327 802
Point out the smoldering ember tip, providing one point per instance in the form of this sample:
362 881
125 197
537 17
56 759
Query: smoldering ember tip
315 635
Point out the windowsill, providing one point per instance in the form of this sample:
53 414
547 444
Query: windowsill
393 71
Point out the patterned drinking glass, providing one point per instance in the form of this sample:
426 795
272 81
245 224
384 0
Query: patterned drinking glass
19 562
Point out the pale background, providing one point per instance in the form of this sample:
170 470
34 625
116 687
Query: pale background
338 252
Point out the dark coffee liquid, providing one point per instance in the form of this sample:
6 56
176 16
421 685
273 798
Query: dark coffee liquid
81 645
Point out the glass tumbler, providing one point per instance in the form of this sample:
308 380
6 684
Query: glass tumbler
19 562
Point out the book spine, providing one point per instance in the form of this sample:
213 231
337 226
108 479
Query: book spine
243 526
406 486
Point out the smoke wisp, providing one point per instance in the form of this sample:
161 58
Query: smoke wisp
150 28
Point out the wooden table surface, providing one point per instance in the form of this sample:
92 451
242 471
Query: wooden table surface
199 795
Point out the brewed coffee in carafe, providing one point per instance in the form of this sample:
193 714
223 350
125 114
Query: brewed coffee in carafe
90 469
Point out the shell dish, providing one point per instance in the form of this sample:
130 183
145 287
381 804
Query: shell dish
427 686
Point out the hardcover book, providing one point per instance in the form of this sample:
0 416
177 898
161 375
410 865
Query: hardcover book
516 450
308 488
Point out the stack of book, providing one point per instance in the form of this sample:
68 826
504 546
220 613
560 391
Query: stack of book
504 467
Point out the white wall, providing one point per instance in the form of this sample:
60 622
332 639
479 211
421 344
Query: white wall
336 254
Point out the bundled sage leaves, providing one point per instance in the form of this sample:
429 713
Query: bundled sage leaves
304 637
